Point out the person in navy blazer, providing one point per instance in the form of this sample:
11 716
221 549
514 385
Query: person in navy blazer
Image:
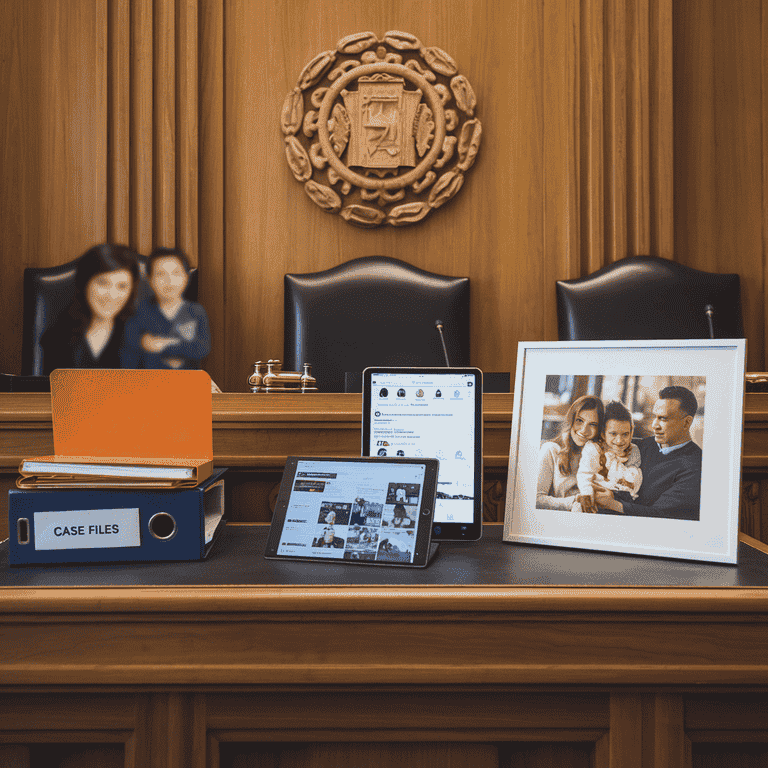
671 464
167 331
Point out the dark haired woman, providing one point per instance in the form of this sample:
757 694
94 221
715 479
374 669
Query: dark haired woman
90 332
559 458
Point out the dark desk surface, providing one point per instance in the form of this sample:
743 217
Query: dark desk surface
237 560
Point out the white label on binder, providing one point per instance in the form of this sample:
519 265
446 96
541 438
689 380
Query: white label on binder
87 529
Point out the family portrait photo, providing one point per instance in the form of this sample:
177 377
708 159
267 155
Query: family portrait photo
628 447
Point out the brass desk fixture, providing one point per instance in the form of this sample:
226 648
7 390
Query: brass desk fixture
757 382
270 377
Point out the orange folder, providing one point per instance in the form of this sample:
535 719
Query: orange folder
118 428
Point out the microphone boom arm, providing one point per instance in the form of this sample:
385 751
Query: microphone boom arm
439 326
709 311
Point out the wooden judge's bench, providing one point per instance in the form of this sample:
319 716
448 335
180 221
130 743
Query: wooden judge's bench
495 655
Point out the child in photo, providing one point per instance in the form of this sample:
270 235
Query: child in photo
612 461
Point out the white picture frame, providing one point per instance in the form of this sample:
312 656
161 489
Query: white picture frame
550 376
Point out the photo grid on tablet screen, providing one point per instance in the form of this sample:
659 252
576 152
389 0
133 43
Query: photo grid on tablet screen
335 514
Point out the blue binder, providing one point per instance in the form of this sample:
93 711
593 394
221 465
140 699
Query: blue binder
120 525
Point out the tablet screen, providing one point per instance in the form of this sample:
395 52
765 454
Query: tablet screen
433 412
354 510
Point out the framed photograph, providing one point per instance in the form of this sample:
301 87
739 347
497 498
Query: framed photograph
628 446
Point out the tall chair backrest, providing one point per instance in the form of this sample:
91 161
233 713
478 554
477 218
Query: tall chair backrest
49 291
373 310
646 297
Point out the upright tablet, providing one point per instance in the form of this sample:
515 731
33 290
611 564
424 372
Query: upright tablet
372 511
434 412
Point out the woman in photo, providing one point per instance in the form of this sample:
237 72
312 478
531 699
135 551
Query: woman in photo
557 487
89 333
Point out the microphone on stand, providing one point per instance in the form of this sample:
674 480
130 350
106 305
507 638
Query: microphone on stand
439 326
709 311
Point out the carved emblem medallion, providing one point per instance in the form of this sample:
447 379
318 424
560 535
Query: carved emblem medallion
381 131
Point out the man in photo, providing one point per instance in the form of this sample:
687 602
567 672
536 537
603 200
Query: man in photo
327 516
358 516
365 513
328 540
671 464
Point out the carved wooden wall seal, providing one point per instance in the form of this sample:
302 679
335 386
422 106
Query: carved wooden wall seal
381 130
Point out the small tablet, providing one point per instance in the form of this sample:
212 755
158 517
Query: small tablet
436 412
365 510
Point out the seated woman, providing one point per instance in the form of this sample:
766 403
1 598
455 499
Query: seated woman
557 487
89 333
167 331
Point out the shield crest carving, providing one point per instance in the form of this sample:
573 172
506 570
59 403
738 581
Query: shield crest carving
381 130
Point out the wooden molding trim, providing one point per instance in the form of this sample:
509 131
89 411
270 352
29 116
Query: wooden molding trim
259 431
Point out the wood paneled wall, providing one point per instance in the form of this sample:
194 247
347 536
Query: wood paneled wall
53 144
610 128
721 149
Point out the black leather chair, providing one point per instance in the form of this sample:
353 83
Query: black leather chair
373 310
646 297
48 291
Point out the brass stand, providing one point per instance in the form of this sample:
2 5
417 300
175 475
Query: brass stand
270 377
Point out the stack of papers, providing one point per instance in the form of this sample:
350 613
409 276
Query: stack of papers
80 472
126 429
144 440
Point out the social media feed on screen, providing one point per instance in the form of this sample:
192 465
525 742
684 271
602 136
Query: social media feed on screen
424 415
353 512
